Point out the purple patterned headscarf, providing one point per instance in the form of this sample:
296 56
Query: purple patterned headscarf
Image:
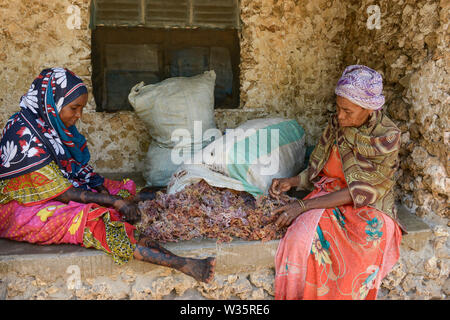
361 85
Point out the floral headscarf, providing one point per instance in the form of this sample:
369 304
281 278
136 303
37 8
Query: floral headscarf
35 136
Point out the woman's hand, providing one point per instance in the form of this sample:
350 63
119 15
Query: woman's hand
288 214
129 210
293 210
147 193
279 186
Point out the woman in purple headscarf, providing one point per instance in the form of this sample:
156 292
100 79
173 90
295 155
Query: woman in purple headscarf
49 193
344 237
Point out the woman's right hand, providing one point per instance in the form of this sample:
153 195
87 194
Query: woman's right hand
279 186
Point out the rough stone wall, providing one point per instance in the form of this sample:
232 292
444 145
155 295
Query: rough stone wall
291 58
422 272
411 50
159 284
34 35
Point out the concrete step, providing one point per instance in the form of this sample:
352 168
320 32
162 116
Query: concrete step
46 262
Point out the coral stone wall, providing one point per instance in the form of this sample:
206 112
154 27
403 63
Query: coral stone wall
38 34
291 58
411 49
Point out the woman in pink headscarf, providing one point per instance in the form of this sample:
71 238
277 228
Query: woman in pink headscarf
344 237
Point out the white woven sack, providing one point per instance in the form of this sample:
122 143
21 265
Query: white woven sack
175 103
169 106
225 164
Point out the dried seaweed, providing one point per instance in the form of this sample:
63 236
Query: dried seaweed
203 211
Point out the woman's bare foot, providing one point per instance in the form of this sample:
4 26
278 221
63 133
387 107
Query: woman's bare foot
200 269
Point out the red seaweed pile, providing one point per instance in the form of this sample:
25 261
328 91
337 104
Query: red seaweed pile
203 211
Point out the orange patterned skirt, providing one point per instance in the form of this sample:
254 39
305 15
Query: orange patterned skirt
336 253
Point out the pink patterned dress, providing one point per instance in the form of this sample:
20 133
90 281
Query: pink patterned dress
29 213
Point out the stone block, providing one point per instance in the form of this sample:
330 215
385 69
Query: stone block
419 233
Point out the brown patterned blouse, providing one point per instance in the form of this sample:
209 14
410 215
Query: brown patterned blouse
369 158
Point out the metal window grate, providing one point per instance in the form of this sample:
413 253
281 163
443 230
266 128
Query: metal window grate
217 12
122 57
167 12
118 12
220 14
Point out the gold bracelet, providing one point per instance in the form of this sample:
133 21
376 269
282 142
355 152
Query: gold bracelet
302 204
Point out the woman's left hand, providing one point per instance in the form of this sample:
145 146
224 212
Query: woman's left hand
130 210
293 210
288 214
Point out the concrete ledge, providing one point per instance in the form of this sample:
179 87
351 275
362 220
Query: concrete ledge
47 262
